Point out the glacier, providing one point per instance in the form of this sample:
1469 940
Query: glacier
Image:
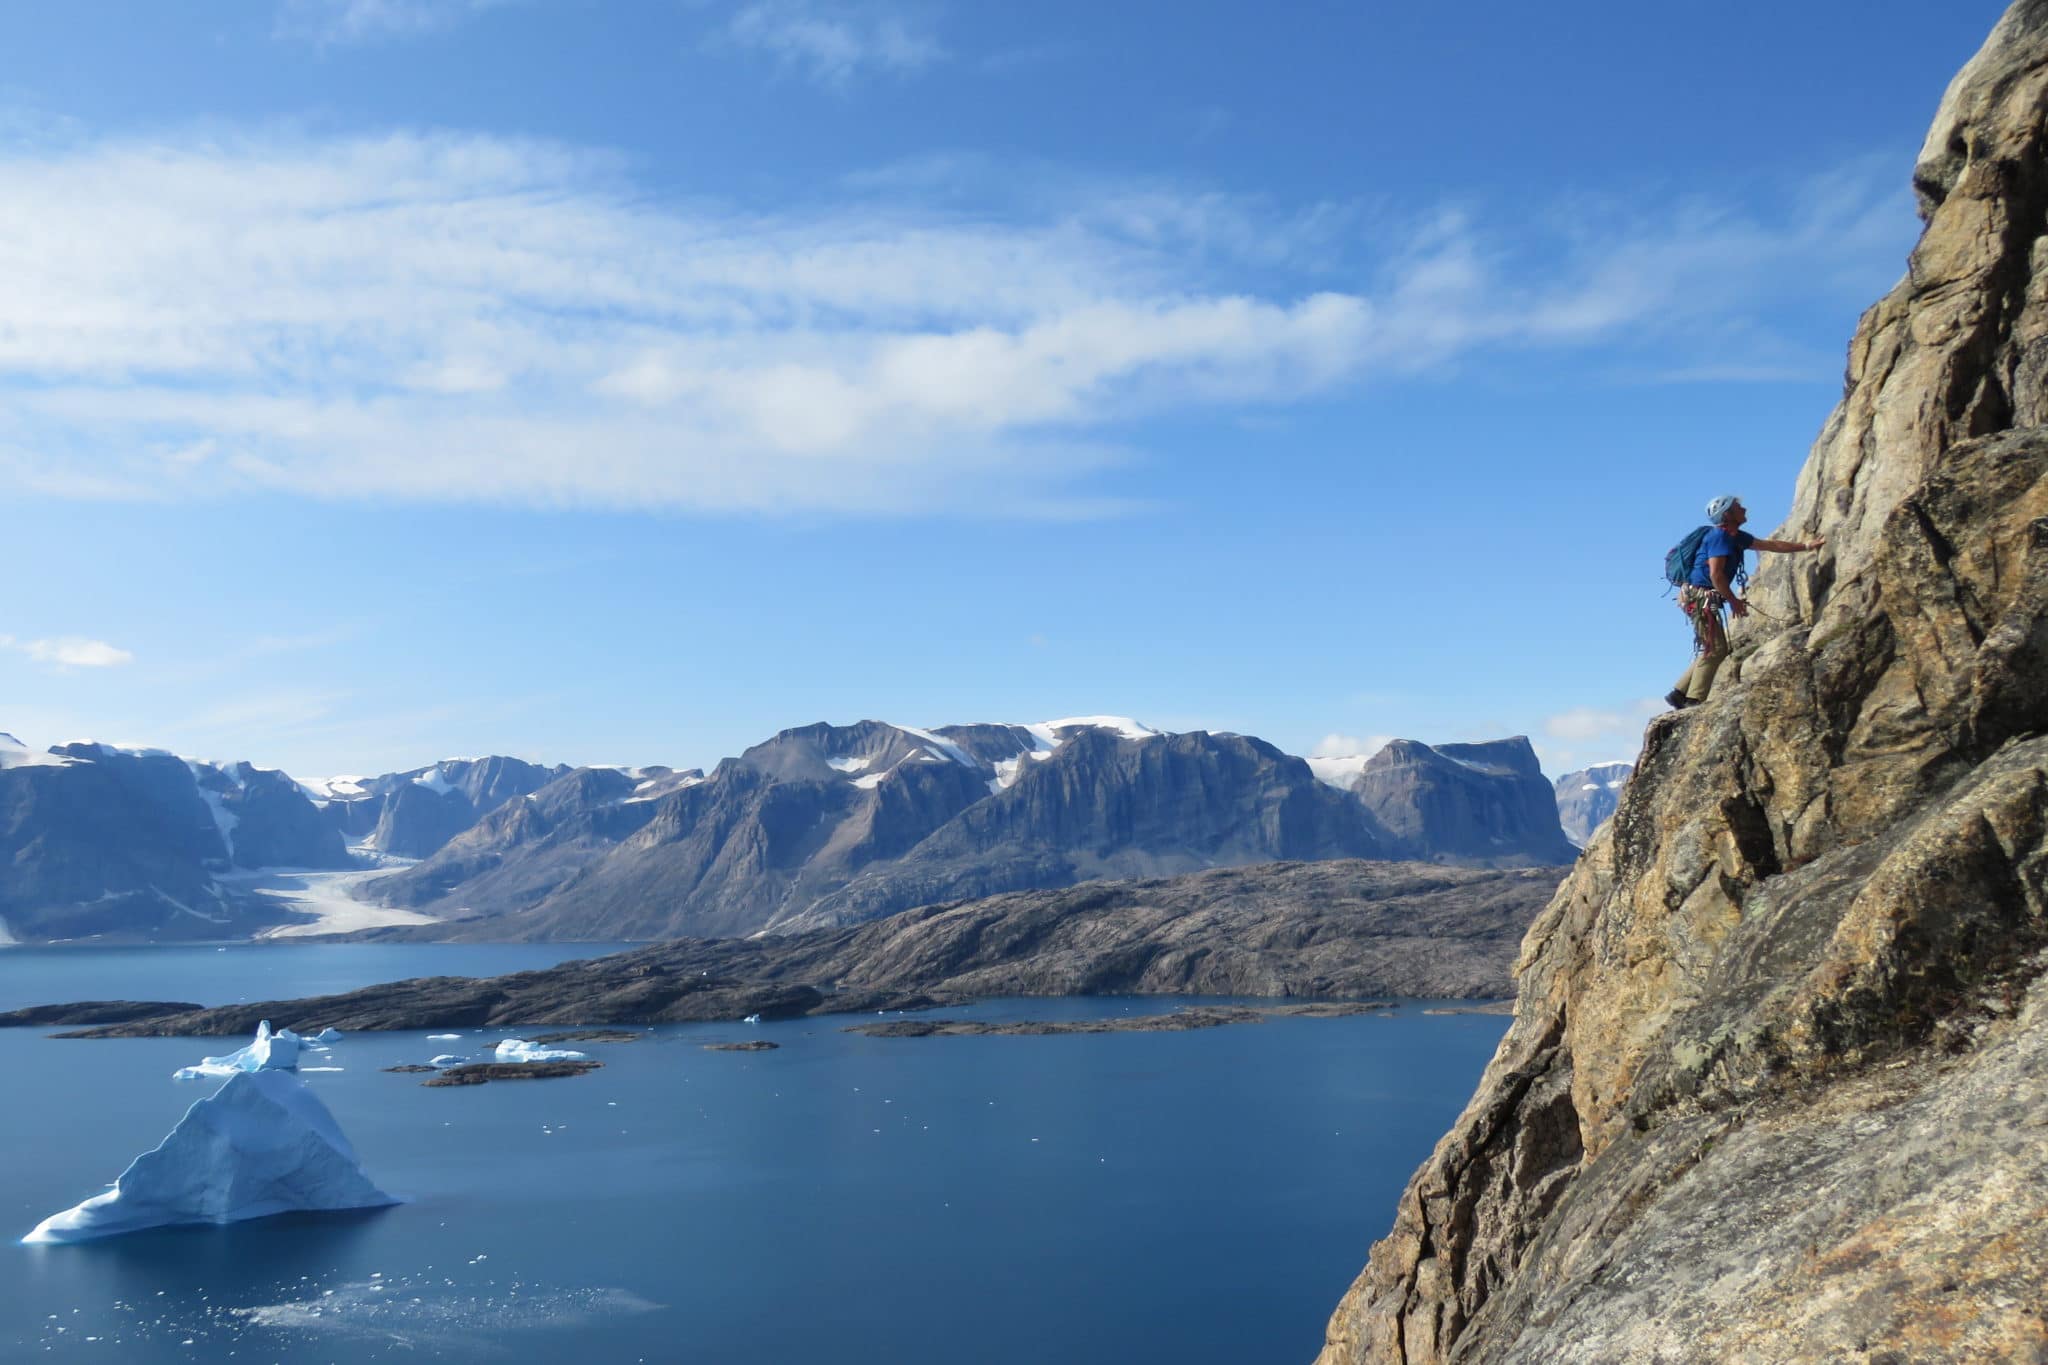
260 1145
270 1052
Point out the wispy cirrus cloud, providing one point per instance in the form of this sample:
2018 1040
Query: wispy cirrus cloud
345 22
70 651
832 45
463 318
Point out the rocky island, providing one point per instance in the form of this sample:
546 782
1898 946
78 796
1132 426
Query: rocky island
1774 1089
1329 930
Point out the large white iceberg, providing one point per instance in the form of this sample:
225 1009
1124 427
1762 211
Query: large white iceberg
262 1144
270 1052
519 1050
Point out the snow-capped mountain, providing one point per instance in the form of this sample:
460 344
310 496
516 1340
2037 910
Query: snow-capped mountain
1586 798
96 838
821 824
828 824
413 813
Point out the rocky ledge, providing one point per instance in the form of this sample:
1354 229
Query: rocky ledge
482 1073
1776 1087
1175 1021
1336 930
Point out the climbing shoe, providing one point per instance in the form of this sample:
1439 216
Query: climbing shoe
1678 700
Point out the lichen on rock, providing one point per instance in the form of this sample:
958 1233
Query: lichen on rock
1774 1086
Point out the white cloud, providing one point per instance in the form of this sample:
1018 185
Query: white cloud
70 651
1345 746
360 21
1585 735
832 45
1585 723
453 318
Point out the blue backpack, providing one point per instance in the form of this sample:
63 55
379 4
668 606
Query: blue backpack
1679 559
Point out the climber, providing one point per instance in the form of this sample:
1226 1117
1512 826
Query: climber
1716 575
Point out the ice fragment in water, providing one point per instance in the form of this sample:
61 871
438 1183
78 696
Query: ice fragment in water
262 1144
270 1052
519 1050
446 1059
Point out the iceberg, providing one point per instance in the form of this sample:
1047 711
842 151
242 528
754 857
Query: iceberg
261 1144
519 1050
270 1052
326 1035
446 1059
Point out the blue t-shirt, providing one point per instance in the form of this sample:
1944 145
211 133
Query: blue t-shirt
1716 544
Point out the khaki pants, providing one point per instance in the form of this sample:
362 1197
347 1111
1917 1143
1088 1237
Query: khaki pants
1710 637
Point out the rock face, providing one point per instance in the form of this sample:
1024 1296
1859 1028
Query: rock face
826 825
1328 929
1774 1088
1586 798
1480 805
96 840
412 814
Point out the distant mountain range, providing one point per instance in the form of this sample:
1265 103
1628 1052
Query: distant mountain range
818 826
142 844
1586 798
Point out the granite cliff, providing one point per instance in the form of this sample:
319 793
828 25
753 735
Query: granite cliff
1775 1085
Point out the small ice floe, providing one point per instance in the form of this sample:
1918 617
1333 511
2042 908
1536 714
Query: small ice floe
519 1050
261 1144
446 1059
326 1036
270 1052
751 1019
443 1037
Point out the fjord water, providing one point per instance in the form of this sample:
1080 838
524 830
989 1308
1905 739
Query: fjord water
1196 1197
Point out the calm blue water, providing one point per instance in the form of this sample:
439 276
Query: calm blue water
1189 1197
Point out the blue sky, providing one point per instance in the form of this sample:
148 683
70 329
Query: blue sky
621 382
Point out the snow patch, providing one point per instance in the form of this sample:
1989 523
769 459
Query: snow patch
942 748
1123 725
15 754
434 780
224 820
333 788
851 765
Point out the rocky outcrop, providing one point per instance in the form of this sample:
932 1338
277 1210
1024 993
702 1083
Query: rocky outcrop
1774 1086
1478 805
269 821
414 813
1334 930
1587 797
